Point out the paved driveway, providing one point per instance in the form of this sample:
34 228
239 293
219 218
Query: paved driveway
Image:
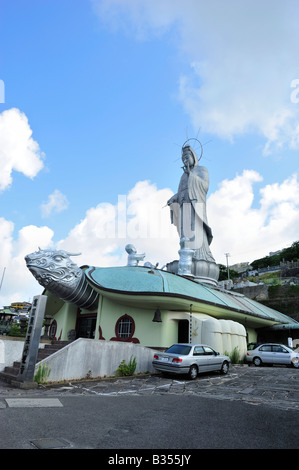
254 408
274 386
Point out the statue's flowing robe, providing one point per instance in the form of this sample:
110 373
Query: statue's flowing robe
189 212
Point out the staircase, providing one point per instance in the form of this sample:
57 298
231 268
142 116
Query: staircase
9 374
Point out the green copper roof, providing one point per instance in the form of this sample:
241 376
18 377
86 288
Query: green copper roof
140 280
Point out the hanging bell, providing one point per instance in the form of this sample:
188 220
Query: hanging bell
157 316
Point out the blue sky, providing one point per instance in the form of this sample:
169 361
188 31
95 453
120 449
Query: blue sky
99 98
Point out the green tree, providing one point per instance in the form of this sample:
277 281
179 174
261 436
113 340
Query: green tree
223 273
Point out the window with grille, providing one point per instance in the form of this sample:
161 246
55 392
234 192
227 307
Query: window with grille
125 327
53 329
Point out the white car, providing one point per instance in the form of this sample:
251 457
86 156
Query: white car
191 359
272 353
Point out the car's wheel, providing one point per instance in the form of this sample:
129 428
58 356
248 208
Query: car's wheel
224 367
257 361
295 363
193 371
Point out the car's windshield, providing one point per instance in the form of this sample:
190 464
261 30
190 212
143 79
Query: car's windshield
182 349
251 346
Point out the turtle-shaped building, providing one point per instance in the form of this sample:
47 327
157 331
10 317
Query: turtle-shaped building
146 305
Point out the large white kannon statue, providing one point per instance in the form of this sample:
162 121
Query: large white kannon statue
188 214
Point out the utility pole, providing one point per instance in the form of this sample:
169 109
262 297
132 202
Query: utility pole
190 324
227 255
2 278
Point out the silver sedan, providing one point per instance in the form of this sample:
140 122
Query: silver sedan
272 353
191 359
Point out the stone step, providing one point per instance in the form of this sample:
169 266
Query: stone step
43 353
6 377
12 370
10 373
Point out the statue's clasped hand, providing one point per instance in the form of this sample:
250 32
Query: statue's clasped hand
172 200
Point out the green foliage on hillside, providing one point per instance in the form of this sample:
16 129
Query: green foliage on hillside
223 273
287 292
287 254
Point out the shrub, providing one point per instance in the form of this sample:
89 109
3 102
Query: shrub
127 369
43 373
234 355
15 330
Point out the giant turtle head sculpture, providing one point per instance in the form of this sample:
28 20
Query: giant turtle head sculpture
52 267
56 272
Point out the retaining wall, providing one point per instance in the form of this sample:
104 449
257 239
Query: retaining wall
89 358
11 350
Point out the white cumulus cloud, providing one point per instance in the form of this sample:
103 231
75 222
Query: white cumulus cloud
248 228
18 150
139 218
243 59
18 283
57 202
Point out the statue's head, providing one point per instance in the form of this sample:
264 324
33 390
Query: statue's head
189 157
52 267
130 249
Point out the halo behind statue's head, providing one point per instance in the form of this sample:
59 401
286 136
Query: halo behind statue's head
193 150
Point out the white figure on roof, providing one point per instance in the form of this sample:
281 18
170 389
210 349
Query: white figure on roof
133 256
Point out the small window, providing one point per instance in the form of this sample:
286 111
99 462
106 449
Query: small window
124 328
265 348
198 351
181 349
53 329
279 349
209 352
251 346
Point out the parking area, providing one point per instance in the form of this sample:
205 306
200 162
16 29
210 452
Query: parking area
275 386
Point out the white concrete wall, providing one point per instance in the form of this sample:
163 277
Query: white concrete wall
88 357
11 350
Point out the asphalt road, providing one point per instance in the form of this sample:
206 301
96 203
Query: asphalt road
250 408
